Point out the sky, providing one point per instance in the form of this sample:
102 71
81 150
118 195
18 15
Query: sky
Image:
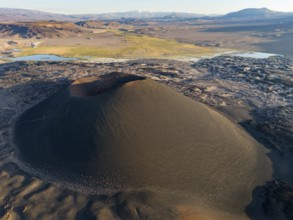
102 6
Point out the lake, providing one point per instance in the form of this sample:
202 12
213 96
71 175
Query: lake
259 55
41 57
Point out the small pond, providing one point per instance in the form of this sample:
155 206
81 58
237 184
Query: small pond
41 57
258 55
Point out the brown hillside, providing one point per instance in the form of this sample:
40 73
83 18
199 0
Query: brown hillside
128 133
42 29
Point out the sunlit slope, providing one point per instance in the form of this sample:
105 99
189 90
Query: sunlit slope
130 133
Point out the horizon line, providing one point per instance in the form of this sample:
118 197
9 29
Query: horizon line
134 10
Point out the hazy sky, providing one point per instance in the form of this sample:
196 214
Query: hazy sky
99 6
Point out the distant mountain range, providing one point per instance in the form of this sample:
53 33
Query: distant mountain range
256 13
11 14
136 15
7 14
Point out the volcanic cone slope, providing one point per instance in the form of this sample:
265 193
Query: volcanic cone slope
128 132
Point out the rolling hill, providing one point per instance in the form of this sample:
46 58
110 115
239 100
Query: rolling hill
40 29
13 14
255 13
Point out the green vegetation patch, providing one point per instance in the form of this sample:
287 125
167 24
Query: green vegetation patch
133 46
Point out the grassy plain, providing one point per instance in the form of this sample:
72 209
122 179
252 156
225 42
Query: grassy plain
129 46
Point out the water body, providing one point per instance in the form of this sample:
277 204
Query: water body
247 54
258 55
16 50
41 57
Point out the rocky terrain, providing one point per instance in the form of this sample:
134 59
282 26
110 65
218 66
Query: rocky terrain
263 87
256 93
39 30
266 86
